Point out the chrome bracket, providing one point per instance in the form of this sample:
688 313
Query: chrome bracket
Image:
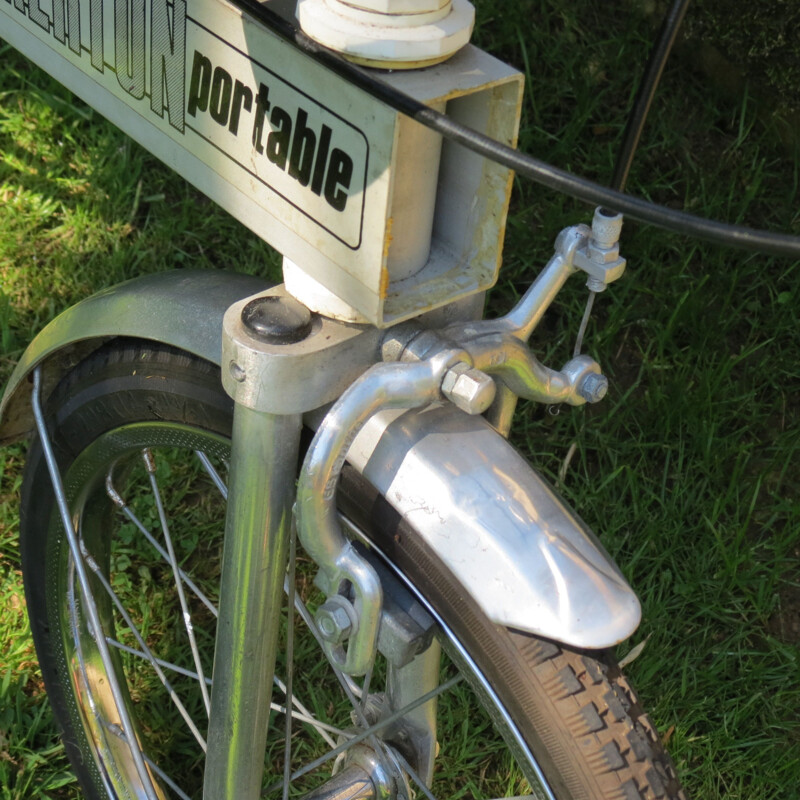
344 572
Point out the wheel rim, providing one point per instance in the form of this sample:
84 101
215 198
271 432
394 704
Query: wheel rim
128 570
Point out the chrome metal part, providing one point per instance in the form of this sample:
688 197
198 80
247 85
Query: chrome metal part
593 250
336 618
397 339
500 414
601 260
606 229
585 380
294 377
257 529
526 315
417 730
183 308
511 360
96 629
468 388
485 512
352 783
383 386
593 388
374 763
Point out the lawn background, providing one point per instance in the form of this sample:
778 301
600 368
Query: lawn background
689 469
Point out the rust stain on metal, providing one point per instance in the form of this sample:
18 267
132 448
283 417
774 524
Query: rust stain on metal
383 289
387 238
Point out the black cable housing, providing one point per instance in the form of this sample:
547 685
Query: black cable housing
646 92
560 180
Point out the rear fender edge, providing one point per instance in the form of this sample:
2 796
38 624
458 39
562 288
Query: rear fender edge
182 308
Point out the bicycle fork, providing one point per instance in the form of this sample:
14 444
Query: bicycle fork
257 531
263 335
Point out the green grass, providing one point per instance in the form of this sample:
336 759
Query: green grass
688 471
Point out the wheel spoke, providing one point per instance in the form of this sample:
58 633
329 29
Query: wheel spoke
165 664
412 773
187 618
367 732
212 473
302 714
93 566
119 501
164 777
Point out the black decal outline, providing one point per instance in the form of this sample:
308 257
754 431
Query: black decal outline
38 15
168 38
259 178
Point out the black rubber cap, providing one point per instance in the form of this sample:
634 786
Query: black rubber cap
277 320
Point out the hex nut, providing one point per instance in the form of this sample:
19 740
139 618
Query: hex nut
397 339
333 620
593 387
469 389
398 6
602 255
392 348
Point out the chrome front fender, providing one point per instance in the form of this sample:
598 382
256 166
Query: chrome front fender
527 560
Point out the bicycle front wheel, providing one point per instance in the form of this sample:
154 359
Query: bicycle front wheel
141 434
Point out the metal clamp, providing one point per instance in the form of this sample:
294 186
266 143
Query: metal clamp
290 375
344 573
600 258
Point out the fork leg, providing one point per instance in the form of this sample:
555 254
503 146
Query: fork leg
261 491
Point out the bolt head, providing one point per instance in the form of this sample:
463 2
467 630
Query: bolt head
392 348
469 389
397 339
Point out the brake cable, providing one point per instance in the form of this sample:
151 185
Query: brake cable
525 165
636 120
